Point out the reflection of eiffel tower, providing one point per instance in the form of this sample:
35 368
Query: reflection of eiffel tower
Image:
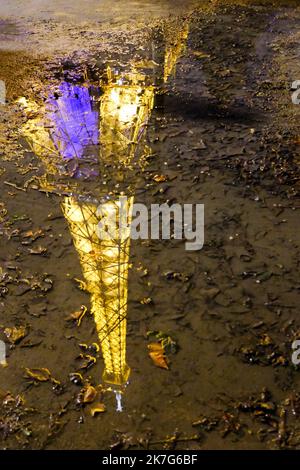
105 267
69 128
125 107
124 110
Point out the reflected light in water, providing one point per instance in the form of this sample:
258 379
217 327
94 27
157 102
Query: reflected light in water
174 50
75 121
105 267
62 131
125 108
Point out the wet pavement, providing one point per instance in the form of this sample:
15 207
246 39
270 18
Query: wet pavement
142 344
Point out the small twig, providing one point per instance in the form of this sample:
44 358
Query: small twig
15 186
52 191
174 440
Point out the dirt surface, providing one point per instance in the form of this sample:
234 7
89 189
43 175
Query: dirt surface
215 124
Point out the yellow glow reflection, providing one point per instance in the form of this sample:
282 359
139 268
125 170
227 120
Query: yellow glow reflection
124 111
36 132
174 48
105 267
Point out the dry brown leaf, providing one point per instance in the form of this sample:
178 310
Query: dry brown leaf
97 408
74 316
89 394
33 235
40 250
160 178
146 301
78 315
265 340
157 354
201 55
15 334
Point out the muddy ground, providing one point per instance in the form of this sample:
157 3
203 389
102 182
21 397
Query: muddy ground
222 131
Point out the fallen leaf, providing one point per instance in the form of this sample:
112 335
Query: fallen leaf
265 340
15 334
87 361
97 408
78 315
146 301
157 354
33 235
167 343
160 178
89 394
201 55
40 250
176 275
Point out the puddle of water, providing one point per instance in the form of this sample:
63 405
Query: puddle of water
94 141
87 132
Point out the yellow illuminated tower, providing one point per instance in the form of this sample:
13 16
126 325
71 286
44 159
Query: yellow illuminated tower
125 107
104 263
